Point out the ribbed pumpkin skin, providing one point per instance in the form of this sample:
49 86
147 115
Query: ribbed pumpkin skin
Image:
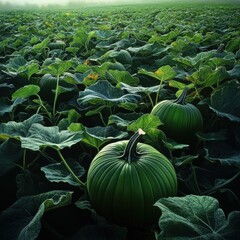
181 122
125 192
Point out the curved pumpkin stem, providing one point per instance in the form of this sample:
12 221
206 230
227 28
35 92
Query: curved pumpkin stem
130 151
181 99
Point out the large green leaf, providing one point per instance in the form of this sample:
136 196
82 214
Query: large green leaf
22 221
197 60
57 68
26 91
7 106
148 49
139 89
96 136
145 122
40 136
225 101
10 153
164 73
122 77
224 153
14 129
18 66
196 217
123 119
103 93
57 172
206 76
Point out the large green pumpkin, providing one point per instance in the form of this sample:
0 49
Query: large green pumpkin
180 120
126 178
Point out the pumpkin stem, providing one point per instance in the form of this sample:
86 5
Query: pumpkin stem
130 151
181 99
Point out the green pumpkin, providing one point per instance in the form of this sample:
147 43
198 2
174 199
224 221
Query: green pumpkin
126 178
48 84
122 56
180 120
58 44
116 66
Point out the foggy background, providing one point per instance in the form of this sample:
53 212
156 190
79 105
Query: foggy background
65 2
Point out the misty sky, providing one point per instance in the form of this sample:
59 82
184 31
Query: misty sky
62 2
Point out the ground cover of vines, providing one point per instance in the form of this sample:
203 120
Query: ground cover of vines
76 85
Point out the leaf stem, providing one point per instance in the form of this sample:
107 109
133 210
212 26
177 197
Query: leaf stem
195 179
24 158
56 96
101 117
82 185
151 101
210 191
158 92
42 105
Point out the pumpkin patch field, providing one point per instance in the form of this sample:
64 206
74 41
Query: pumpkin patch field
120 122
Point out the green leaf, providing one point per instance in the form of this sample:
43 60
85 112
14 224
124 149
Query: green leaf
219 151
235 72
213 136
27 184
139 89
207 77
181 161
103 93
225 101
233 45
23 219
164 73
14 129
38 47
8 107
195 217
57 68
10 153
197 60
172 145
146 122
105 133
122 77
123 119
57 172
96 136
32 69
26 91
40 136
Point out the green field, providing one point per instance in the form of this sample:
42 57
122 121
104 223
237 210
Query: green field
77 82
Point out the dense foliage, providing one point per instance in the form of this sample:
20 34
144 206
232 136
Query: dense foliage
73 82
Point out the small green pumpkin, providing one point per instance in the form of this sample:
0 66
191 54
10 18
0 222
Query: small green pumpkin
126 178
180 120
48 84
